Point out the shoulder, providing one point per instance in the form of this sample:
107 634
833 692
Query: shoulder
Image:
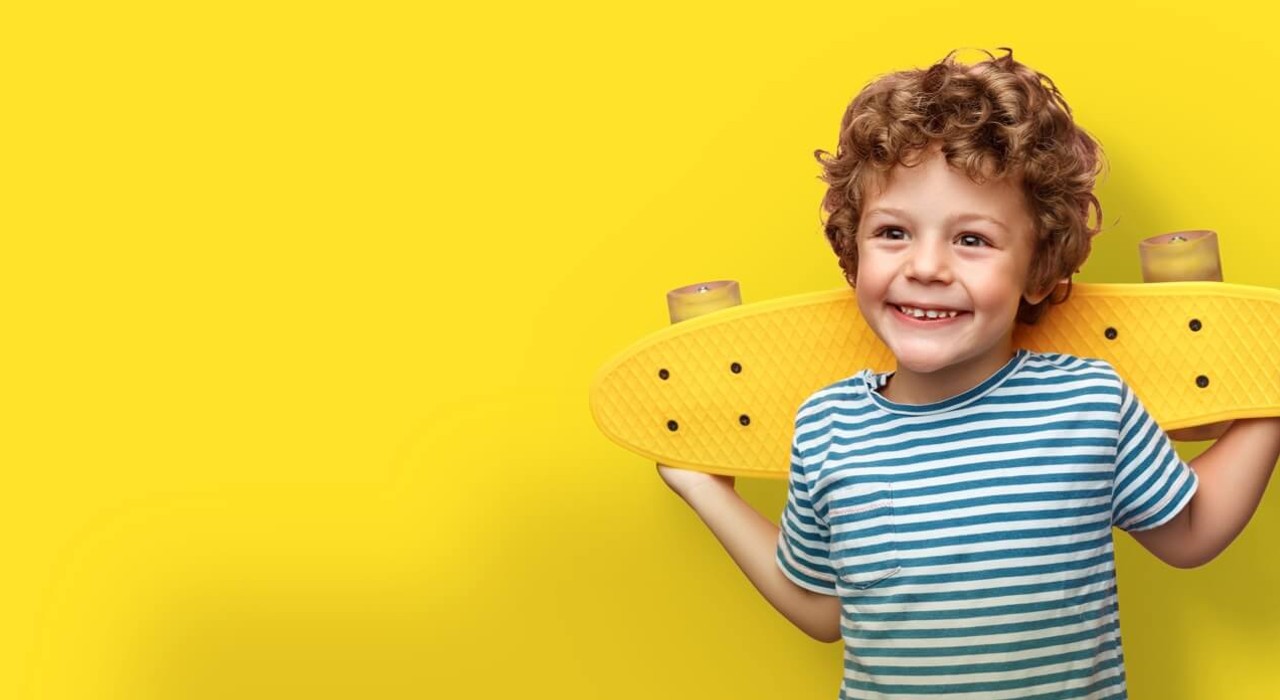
1061 376
848 394
1063 365
840 403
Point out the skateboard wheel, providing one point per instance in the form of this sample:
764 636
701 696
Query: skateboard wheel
701 298
1181 256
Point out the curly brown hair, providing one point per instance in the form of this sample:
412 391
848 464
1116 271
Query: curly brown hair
994 119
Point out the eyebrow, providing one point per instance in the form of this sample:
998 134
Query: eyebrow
953 219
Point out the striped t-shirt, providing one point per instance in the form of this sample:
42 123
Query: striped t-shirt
970 540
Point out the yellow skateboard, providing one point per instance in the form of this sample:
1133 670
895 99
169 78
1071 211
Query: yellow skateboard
718 393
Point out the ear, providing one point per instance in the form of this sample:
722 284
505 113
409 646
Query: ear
1034 296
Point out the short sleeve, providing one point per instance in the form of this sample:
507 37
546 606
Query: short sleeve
804 542
1152 483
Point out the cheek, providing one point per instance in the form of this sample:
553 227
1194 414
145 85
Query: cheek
1001 293
867 309
870 290
867 265
998 285
868 280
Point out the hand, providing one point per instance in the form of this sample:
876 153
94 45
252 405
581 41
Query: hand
686 481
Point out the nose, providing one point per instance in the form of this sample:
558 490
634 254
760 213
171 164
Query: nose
929 261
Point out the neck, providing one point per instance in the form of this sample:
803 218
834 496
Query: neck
915 388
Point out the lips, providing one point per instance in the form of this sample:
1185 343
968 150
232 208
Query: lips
929 315
926 312
924 305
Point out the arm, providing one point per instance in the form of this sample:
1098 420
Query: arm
751 540
1233 475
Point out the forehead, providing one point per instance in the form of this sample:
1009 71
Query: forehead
930 187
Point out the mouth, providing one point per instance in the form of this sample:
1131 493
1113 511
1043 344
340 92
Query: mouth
926 315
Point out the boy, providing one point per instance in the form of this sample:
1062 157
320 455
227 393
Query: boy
951 521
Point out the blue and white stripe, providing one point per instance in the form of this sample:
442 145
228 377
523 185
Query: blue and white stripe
970 540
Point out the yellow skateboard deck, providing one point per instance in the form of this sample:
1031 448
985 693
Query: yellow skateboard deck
718 393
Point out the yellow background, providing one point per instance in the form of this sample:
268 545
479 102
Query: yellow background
301 304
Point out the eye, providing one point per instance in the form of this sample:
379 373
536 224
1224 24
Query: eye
886 233
973 240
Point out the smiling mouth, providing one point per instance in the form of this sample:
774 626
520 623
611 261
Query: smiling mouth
917 314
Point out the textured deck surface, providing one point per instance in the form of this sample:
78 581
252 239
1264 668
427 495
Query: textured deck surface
1168 340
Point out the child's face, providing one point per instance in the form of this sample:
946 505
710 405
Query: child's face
974 271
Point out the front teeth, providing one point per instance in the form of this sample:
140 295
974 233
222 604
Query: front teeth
931 313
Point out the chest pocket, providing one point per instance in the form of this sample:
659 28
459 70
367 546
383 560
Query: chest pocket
864 537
